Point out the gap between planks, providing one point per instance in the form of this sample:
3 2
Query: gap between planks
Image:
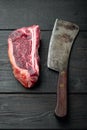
42 93
12 29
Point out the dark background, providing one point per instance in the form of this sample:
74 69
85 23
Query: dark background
34 108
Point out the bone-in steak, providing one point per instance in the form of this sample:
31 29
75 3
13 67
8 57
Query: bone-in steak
23 47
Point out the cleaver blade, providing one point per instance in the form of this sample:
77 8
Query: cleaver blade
62 38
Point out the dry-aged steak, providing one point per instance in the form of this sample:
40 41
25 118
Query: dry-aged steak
23 47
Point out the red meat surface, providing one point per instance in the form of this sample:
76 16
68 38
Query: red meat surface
23 47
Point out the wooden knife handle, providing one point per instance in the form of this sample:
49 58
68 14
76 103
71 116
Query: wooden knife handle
61 107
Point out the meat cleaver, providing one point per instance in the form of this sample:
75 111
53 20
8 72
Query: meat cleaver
61 41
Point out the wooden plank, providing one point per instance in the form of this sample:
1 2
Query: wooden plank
18 13
37 111
48 78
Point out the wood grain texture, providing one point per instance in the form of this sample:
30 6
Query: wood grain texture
18 13
37 111
61 106
34 108
47 82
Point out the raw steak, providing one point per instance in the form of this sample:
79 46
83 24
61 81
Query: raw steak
23 47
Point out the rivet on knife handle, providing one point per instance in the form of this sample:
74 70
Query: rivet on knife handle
61 107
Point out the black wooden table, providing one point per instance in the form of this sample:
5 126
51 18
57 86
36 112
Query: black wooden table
34 108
